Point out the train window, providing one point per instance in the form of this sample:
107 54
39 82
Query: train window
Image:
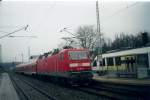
142 60
94 63
78 55
118 60
110 62
103 62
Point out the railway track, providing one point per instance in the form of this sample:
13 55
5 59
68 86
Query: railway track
107 91
117 92
22 94
29 91
59 91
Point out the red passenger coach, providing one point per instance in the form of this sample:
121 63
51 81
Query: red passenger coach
26 68
72 65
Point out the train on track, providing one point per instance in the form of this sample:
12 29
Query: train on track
125 63
69 65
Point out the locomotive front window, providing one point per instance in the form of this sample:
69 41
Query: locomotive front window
78 55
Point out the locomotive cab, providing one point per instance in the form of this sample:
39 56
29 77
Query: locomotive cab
79 65
79 61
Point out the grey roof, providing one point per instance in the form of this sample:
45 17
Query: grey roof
127 52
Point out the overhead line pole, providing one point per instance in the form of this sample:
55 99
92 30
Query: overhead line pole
99 56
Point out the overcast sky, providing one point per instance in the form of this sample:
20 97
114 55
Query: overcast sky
47 18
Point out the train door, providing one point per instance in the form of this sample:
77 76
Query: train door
128 63
56 64
131 64
143 60
142 65
61 62
128 66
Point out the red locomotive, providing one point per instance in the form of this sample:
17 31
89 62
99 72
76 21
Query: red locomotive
71 65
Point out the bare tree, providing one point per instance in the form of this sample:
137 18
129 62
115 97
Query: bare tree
86 36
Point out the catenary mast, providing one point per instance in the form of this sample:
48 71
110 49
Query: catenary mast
99 57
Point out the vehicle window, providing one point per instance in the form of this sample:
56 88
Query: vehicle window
78 55
118 60
103 62
142 60
94 63
110 61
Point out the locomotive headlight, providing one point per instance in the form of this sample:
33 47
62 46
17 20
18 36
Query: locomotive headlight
85 64
79 64
73 65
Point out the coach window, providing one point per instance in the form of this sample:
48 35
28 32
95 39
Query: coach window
110 62
103 62
94 63
142 60
118 60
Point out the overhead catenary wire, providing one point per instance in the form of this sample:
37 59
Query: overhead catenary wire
25 28
23 36
121 10
117 5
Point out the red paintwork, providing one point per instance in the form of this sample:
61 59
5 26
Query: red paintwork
54 63
26 68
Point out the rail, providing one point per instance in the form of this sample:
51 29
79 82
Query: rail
27 97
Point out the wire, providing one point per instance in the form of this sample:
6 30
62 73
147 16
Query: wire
14 32
23 36
112 6
9 26
121 10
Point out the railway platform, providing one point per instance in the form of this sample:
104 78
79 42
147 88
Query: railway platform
7 91
123 81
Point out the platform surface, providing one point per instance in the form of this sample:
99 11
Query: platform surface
7 91
140 82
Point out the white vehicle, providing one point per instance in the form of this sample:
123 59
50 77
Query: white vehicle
131 63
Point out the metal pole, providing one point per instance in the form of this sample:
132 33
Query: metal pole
99 56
